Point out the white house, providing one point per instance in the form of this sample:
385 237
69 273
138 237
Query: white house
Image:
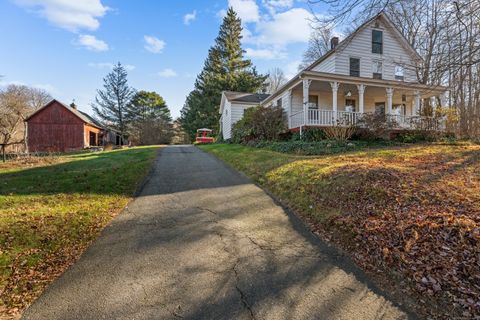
232 106
373 70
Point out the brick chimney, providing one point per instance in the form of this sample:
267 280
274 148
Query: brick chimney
333 43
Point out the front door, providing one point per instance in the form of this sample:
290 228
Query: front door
380 108
350 105
93 139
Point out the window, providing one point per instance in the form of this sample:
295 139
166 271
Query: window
380 108
354 67
349 105
377 41
377 69
313 102
399 72
279 102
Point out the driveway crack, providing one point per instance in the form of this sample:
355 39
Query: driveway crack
243 296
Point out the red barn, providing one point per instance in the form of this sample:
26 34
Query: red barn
57 127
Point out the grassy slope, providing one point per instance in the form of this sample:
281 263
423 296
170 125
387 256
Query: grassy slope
412 212
50 212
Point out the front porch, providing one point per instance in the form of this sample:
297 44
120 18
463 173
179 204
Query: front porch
332 100
327 118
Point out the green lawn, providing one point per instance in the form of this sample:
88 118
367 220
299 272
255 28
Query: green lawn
52 209
409 212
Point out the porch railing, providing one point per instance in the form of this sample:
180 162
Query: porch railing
316 117
296 119
327 118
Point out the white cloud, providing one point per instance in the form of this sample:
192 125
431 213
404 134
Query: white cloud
153 44
90 42
247 10
189 17
265 54
291 69
68 14
271 28
167 73
278 3
108 65
284 28
275 5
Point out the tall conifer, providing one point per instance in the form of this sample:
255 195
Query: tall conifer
225 69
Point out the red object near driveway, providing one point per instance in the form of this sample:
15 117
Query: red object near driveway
204 136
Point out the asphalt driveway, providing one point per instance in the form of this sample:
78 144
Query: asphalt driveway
202 242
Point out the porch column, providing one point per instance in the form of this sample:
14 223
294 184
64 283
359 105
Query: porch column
361 91
443 99
306 87
433 103
289 107
417 103
335 86
389 100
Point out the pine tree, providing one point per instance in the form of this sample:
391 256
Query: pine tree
149 119
225 69
111 102
146 105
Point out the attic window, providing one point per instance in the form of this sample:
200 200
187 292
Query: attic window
377 69
377 41
399 72
354 67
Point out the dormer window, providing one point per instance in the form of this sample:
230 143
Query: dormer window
399 73
377 41
377 69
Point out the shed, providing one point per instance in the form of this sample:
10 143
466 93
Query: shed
57 127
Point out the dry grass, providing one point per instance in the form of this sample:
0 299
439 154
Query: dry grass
411 214
51 208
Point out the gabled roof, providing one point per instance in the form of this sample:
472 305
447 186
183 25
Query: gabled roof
245 97
347 40
242 97
81 115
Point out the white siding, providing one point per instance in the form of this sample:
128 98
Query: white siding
237 112
227 121
232 113
360 46
327 65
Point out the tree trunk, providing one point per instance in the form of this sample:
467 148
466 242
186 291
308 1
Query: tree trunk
4 156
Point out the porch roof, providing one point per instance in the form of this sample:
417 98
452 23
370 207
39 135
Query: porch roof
329 77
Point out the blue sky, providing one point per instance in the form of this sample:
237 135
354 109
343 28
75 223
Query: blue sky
68 46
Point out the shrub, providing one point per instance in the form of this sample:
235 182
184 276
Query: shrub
260 123
339 133
310 135
375 126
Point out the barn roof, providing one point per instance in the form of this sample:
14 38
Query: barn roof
82 115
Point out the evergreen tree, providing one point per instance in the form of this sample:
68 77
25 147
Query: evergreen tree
225 69
111 102
149 119
147 106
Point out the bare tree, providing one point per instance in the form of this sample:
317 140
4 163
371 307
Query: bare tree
17 102
318 45
276 78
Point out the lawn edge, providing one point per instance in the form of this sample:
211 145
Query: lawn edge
138 189
342 257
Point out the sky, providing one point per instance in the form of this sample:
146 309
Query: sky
67 46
